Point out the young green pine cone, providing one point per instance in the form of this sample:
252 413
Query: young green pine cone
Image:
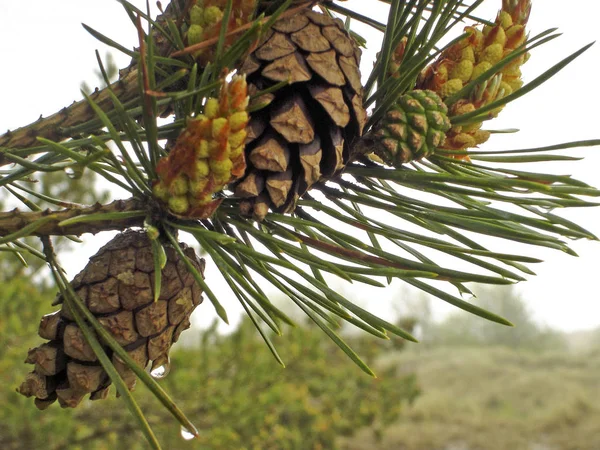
208 154
412 129
469 58
117 287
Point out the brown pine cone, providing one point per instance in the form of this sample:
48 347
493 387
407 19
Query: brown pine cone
303 135
118 288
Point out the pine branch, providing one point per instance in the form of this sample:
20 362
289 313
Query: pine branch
118 215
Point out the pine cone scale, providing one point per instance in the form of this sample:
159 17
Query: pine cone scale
291 68
293 121
310 39
277 46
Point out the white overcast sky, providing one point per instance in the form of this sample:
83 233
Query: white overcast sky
46 54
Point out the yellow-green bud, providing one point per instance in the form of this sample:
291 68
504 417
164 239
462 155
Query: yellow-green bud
197 15
211 109
481 136
512 71
515 84
195 34
179 185
468 53
161 191
221 167
464 140
179 204
472 127
221 180
451 87
202 168
237 139
219 126
492 53
236 151
500 37
480 68
197 186
477 38
203 200
463 71
238 121
504 90
212 15
202 149
486 30
516 30
505 20
465 108
152 232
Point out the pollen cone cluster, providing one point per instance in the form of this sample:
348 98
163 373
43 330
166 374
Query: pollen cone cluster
469 58
117 288
412 129
208 155
206 17
300 133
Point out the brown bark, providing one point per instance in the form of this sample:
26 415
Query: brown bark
15 220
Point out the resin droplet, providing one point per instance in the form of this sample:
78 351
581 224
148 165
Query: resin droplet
160 369
186 434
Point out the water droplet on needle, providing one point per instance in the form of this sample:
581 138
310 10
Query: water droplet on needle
160 368
186 434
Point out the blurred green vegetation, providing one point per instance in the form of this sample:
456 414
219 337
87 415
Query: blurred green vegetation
229 385
489 391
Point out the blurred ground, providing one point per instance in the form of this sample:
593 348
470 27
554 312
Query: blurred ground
496 398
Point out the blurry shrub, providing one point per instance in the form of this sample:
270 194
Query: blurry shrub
234 391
